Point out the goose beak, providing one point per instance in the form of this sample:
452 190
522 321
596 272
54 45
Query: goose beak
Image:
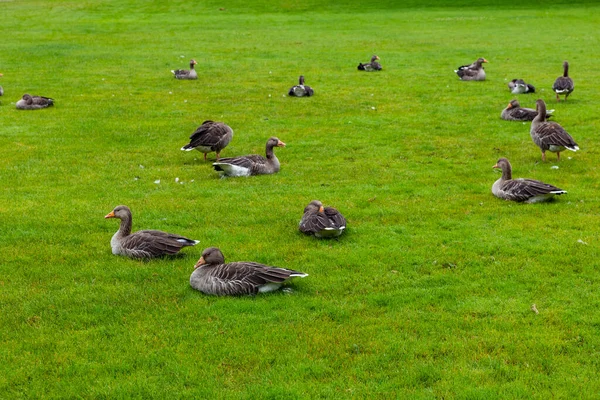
509 105
280 144
377 58
496 166
200 262
484 60
321 209
110 215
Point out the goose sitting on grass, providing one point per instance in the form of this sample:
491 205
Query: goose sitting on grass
322 222
514 112
253 164
370 66
210 136
563 84
186 74
549 135
212 276
472 72
518 86
29 102
301 90
143 244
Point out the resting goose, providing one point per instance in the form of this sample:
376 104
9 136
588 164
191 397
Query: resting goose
518 86
549 135
301 90
527 190
210 136
473 72
322 222
29 102
212 276
253 164
370 66
143 244
514 112
563 84
186 74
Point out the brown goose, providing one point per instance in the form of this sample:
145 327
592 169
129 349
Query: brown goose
210 136
186 74
212 276
550 135
322 222
514 112
143 244
29 102
527 190
518 86
253 164
473 72
370 66
301 90
563 84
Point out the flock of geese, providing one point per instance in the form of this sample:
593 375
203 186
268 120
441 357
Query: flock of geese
212 275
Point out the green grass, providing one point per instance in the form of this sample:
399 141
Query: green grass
428 293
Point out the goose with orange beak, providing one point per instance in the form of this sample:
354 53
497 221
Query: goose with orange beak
322 222
253 164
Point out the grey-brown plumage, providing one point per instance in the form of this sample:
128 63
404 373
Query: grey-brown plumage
370 66
472 72
322 222
514 112
518 86
549 135
253 164
563 85
186 74
143 244
212 276
210 136
301 90
29 102
526 190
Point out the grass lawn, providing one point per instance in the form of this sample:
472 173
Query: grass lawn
429 292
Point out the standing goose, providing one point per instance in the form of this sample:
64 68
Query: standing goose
527 190
212 276
253 164
514 112
370 66
518 86
210 136
563 84
29 102
143 244
186 74
301 90
322 222
549 135
473 72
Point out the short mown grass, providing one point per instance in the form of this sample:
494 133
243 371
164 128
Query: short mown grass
427 295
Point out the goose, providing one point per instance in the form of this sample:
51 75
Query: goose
370 66
301 89
210 136
518 86
322 222
549 135
563 84
143 244
473 72
514 112
1 89
186 74
253 164
212 276
526 190
29 102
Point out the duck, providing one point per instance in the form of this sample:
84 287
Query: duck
472 72
522 190
186 74
210 136
370 66
301 90
549 135
253 164
212 276
143 244
563 84
29 102
518 86
514 112
322 222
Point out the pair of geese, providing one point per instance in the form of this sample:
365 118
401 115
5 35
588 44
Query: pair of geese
211 274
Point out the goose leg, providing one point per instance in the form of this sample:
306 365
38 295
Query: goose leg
558 156
543 156
557 98
204 156
218 155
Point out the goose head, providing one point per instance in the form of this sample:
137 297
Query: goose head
211 255
374 58
514 104
504 165
314 207
274 142
121 212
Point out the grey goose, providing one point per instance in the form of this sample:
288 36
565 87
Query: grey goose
472 72
143 244
301 90
370 66
514 112
563 85
518 86
186 74
29 102
322 222
549 136
210 136
525 190
253 164
212 276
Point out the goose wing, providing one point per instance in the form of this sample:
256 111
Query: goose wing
239 278
551 133
563 84
210 134
153 243
524 189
